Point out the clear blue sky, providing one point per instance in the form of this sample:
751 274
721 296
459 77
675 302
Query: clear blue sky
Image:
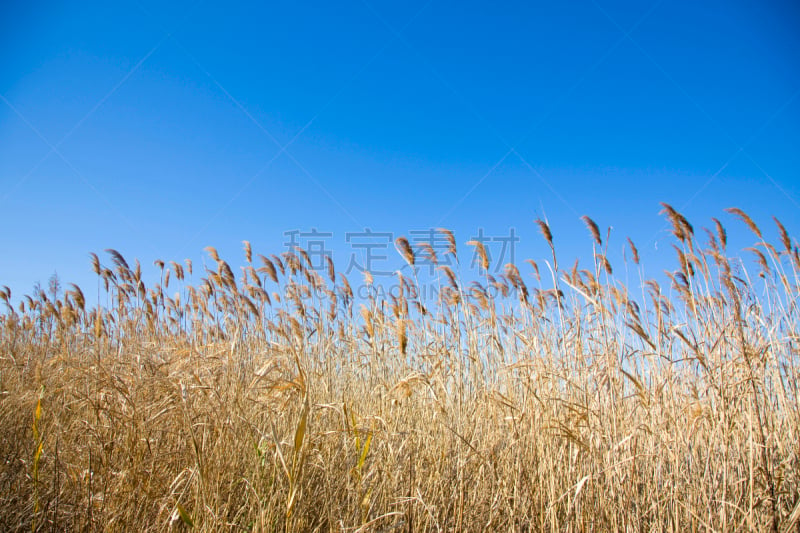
158 130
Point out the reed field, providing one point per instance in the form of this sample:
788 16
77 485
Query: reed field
551 398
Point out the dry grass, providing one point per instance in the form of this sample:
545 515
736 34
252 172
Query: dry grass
273 401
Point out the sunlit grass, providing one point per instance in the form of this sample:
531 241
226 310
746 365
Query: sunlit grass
555 399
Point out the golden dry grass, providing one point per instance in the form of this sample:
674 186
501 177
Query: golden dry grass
274 401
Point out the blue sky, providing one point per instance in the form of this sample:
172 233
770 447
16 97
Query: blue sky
158 130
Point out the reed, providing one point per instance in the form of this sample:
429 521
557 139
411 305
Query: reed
267 402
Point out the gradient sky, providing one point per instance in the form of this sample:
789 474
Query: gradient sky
158 130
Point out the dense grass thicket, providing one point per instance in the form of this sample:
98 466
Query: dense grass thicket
552 398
